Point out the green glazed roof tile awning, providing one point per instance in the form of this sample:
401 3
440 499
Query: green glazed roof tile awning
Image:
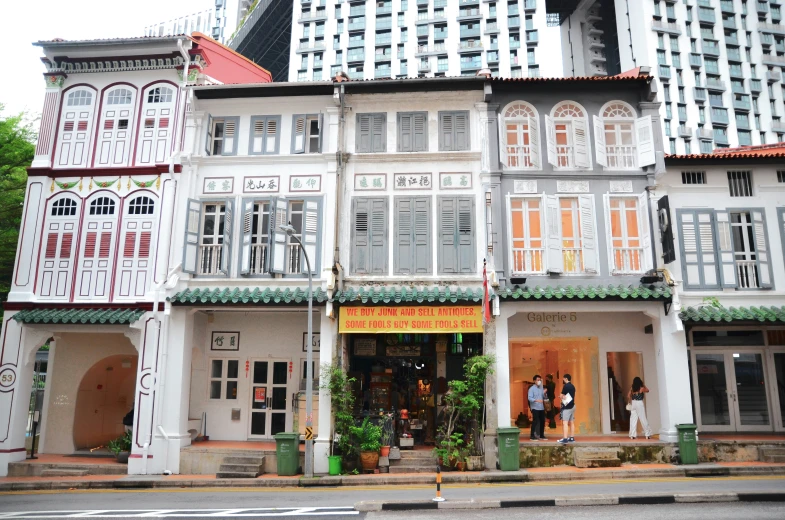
731 314
247 296
398 294
79 316
569 292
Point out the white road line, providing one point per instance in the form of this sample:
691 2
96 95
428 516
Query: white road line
185 513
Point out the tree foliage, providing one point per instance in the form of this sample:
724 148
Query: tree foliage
17 149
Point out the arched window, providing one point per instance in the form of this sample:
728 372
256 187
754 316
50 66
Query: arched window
521 148
80 98
141 206
619 126
159 95
64 207
102 206
115 136
120 96
567 132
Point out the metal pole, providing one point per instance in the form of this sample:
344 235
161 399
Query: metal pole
308 368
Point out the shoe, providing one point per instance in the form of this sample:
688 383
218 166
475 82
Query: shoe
543 438
648 437
533 439
633 438
571 439
563 441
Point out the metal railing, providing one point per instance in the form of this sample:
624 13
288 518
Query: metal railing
527 260
621 156
628 259
747 274
210 259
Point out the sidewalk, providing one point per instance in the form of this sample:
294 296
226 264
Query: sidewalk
560 473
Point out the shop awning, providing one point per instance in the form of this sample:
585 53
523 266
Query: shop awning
709 314
398 294
589 292
79 316
247 296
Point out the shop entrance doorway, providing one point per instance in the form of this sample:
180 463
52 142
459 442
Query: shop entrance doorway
623 367
731 390
269 410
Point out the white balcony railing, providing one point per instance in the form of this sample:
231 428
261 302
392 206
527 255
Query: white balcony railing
258 259
627 260
519 156
573 259
621 156
210 259
564 156
747 274
293 265
527 260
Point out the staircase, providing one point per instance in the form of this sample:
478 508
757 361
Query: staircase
419 461
241 466
596 458
769 454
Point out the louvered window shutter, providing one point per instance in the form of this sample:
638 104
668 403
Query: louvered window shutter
321 133
534 142
553 219
644 134
311 236
446 131
405 132
128 248
422 235
272 137
420 129
247 238
588 233
65 245
145 239
379 133
448 240
612 260
361 242
230 136
550 136
298 133
698 254
580 140
378 235
257 135
601 150
643 224
277 245
51 245
461 131
208 146
363 133
666 230
226 250
191 240
761 249
404 251
725 251
466 236
90 243
503 142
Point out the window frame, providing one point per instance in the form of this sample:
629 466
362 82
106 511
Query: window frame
211 138
372 117
399 130
534 156
643 238
570 131
512 239
265 119
224 379
454 134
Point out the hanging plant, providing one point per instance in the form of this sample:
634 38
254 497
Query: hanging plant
67 185
142 184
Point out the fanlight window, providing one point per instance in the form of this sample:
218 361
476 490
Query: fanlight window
569 135
80 98
121 96
618 111
64 208
568 111
521 137
160 95
619 125
141 206
102 206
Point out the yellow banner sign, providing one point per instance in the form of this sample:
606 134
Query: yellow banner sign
410 319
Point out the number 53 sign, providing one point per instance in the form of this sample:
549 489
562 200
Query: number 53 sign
316 342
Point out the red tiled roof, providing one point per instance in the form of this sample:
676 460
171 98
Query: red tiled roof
765 151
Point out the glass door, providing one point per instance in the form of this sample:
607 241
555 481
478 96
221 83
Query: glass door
712 402
779 389
751 404
269 410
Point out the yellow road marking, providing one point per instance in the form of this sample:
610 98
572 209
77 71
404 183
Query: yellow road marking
448 486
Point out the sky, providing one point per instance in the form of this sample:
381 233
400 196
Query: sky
27 21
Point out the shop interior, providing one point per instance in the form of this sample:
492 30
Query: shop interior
404 375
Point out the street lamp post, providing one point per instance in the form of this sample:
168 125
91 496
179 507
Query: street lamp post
289 230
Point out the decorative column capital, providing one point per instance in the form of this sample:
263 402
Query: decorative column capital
54 80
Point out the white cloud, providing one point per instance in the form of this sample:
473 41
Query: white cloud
27 21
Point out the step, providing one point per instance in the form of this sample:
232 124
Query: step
418 454
413 462
596 453
415 469
236 474
244 460
586 462
242 468
64 473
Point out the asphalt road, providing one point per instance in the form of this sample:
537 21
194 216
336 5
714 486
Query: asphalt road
309 502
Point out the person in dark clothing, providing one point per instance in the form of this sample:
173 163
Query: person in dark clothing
567 410
550 395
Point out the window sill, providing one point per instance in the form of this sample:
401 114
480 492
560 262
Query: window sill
415 156
262 159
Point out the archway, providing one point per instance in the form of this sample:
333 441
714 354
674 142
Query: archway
105 396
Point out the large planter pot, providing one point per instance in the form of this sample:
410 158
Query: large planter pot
475 463
122 457
385 451
369 460
334 462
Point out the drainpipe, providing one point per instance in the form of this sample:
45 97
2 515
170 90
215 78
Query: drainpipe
340 184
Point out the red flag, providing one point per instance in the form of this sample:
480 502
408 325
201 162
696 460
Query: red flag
486 301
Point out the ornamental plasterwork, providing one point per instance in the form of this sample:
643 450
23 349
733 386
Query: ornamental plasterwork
95 65
192 74
621 186
525 186
572 186
55 81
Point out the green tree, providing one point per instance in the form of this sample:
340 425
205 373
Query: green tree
17 149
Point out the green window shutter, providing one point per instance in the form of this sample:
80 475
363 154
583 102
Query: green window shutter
762 248
298 133
466 254
404 252
277 239
420 132
379 133
208 145
312 220
193 220
448 258
363 143
405 136
369 236
446 131
321 131
247 238
725 252
226 250
231 126
422 235
698 253
461 131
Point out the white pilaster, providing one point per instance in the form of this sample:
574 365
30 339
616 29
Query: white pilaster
673 383
327 357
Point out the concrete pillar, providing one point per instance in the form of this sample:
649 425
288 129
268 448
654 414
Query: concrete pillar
17 356
497 406
673 374
491 398
49 120
328 356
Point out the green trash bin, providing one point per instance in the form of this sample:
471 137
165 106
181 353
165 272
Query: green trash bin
509 449
287 450
688 443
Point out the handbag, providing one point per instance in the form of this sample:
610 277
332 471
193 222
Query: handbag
547 405
629 407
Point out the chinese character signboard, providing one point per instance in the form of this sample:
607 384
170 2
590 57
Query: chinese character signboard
265 184
373 320
456 181
225 341
218 185
412 181
370 181
305 183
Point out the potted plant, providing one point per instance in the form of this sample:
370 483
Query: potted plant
449 451
369 438
335 381
388 434
121 447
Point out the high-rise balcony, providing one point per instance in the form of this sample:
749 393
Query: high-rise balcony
384 23
720 136
733 53
464 3
706 15
756 85
467 32
696 60
665 72
773 28
424 66
469 13
726 6
317 16
710 48
731 39
729 23
715 84
762 7
529 5
384 72
666 27
514 22
773 60
741 103
685 131
355 57
383 56
705 134
439 33
491 27
699 94
719 116
384 9
777 126
532 37
471 65
773 76
357 26
469 45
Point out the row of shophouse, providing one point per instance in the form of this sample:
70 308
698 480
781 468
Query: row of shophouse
152 262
